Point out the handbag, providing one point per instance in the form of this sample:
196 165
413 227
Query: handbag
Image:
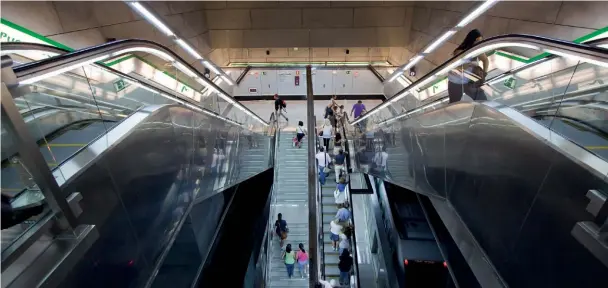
326 169
295 140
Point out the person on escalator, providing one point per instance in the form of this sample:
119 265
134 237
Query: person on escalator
331 284
289 256
279 108
323 161
458 82
302 258
380 160
345 265
326 133
334 229
300 133
281 229
339 164
358 109
340 192
337 143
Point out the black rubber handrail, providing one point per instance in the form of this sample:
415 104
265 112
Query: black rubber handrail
586 50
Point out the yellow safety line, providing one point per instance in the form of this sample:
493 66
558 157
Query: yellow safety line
67 145
597 147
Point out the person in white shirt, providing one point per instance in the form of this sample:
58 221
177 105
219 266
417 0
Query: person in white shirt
300 133
335 229
327 133
380 160
323 160
344 243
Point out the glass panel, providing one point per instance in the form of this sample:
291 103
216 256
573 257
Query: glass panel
19 191
581 114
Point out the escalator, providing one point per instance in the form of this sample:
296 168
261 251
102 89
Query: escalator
124 172
519 181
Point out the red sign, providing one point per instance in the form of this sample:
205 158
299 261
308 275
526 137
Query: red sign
297 80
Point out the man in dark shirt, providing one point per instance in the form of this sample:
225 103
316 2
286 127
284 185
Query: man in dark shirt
279 107
339 164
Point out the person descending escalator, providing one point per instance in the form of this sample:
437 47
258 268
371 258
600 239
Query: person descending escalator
458 82
279 108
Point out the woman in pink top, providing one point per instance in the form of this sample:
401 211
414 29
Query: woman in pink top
302 258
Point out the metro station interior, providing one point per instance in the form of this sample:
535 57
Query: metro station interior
403 144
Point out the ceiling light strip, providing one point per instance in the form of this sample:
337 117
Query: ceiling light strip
156 22
444 37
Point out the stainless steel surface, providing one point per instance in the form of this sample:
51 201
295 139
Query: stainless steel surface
139 181
115 49
518 187
74 202
314 234
542 44
54 258
32 158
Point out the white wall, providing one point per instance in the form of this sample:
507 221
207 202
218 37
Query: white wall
325 81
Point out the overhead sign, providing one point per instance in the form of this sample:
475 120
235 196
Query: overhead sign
10 32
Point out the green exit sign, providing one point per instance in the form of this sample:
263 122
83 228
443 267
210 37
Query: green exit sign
510 83
120 85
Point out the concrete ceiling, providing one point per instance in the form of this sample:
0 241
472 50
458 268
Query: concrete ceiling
242 31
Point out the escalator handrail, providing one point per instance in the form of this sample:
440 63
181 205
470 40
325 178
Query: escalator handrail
438 100
15 46
347 163
115 49
543 43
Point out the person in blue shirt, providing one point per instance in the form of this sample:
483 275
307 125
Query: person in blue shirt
340 193
343 214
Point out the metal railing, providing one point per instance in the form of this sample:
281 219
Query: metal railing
92 55
355 271
584 52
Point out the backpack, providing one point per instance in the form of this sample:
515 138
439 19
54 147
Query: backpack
283 104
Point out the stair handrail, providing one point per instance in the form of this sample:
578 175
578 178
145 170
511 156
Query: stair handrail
347 162
543 44
93 55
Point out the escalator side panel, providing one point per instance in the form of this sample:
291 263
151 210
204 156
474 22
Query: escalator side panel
139 190
504 170
519 196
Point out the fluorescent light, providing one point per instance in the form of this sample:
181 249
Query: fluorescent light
62 70
188 49
482 8
438 42
152 19
211 67
154 51
228 80
413 62
184 69
578 58
498 45
395 76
